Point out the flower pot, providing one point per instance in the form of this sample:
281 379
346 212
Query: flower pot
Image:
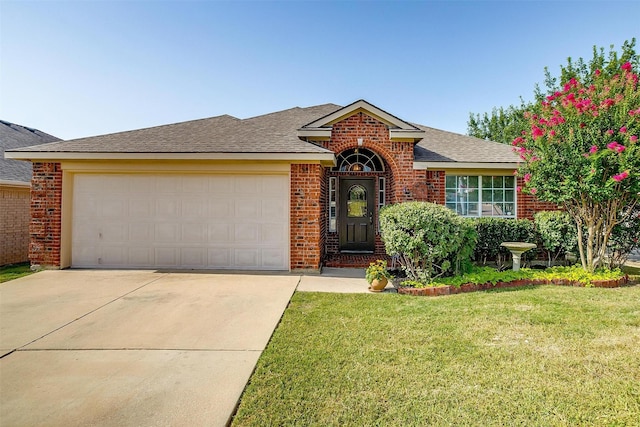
378 285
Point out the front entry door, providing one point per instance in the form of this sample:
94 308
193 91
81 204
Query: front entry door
357 201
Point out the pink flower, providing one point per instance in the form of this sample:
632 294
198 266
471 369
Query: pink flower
527 177
619 177
626 66
633 138
533 191
614 146
518 189
598 72
593 149
623 129
536 132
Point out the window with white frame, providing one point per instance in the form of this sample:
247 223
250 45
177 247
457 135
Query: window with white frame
332 203
471 195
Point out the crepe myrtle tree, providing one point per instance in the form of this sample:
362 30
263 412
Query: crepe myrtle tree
581 151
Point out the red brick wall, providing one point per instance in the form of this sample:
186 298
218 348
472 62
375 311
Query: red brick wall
46 214
528 205
307 225
14 224
402 181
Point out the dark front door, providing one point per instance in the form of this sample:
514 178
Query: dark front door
357 201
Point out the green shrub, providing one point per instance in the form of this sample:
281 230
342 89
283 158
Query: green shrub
429 240
494 231
557 233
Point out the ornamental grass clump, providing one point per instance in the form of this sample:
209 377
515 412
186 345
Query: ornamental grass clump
429 240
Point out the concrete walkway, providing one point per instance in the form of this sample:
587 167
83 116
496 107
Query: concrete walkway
122 348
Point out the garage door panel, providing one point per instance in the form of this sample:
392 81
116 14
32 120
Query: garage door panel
247 208
141 256
220 184
114 232
219 257
219 233
114 255
273 233
246 233
141 208
167 257
167 208
168 184
166 233
193 257
194 233
220 208
247 258
180 221
272 258
194 208
114 208
141 232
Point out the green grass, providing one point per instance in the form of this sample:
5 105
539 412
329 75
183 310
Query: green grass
536 356
11 272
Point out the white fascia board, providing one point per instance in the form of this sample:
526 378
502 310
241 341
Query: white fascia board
296 157
20 184
314 132
406 133
463 165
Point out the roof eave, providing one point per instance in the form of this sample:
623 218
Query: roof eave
11 183
464 165
327 159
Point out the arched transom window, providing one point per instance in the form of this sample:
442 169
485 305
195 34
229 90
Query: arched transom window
359 160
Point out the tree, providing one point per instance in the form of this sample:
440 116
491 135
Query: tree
505 124
581 151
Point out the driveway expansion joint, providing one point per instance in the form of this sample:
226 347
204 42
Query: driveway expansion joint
92 311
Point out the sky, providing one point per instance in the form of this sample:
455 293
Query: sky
82 68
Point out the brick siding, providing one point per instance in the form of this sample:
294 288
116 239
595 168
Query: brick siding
528 205
14 224
46 214
307 225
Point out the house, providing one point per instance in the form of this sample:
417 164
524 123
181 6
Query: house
15 178
291 190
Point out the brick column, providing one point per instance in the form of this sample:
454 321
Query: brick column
307 242
46 214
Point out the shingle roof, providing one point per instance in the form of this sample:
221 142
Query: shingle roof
442 146
269 133
16 136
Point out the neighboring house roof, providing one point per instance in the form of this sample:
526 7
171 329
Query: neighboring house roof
16 136
278 135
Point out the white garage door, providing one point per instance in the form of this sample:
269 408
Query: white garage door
181 221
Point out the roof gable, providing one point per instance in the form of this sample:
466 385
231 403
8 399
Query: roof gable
398 128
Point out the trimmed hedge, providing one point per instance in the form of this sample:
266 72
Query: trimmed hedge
494 231
429 240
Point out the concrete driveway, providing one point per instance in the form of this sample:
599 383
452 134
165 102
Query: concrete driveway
84 347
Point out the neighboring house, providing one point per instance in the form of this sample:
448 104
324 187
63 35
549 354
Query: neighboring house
291 190
15 182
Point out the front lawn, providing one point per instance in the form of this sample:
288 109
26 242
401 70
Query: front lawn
533 356
11 272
